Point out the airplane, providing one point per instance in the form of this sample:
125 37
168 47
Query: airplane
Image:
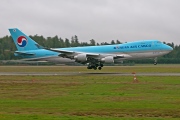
94 56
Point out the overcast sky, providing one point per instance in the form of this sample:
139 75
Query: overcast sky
102 20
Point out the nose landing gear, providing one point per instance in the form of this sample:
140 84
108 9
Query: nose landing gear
155 61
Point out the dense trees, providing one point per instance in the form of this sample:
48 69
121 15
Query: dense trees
7 47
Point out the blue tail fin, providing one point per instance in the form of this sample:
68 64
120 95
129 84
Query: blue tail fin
22 41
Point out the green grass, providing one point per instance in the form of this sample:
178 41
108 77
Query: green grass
89 97
119 69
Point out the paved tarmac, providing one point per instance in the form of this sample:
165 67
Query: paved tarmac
83 73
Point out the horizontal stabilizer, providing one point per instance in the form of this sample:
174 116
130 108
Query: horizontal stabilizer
24 53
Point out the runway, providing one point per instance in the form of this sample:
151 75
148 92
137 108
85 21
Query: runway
82 73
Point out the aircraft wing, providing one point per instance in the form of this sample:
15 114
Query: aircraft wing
72 54
67 52
60 51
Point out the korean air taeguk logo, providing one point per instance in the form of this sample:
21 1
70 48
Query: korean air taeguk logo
22 41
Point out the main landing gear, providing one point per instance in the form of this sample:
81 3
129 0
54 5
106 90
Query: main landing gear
95 66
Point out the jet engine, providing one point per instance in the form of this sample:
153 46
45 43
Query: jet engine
108 59
80 58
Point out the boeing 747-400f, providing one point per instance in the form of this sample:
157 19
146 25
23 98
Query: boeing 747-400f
93 56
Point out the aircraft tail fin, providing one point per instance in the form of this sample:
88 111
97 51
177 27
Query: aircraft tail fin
22 41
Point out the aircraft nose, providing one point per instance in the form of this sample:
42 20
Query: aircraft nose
169 48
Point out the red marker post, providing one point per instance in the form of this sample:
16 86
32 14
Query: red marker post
135 80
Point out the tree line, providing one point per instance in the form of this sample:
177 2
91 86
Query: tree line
7 47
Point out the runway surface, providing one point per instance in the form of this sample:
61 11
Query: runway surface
83 73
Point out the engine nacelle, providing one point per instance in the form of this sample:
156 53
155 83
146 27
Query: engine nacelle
108 59
80 58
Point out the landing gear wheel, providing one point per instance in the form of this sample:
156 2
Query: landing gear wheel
95 68
99 68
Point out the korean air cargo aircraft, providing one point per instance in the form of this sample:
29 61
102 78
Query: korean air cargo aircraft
93 56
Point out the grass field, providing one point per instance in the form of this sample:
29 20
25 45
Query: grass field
90 97
122 69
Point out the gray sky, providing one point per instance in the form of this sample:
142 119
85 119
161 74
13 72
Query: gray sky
102 20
